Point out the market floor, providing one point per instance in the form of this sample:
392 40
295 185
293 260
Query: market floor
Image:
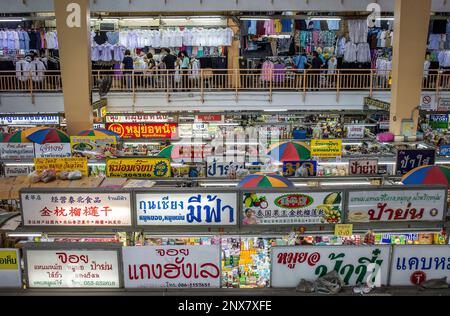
384 291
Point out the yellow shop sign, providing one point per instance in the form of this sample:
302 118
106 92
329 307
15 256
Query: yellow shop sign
62 164
326 148
138 167
8 260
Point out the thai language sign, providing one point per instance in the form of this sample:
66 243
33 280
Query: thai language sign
30 120
290 208
186 208
138 167
94 147
377 103
354 264
72 268
10 273
16 150
410 159
363 166
14 171
76 209
444 150
208 118
62 164
222 168
326 148
137 118
397 205
172 266
412 265
52 150
144 130
308 168
438 121
355 131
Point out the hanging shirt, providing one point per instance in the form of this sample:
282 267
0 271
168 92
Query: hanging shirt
350 52
252 27
286 26
22 70
37 69
96 52
119 51
106 51
113 37
363 53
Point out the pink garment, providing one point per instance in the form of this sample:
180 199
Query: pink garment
269 27
267 71
315 35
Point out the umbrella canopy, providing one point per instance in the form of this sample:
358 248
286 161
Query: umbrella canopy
49 135
265 180
98 132
290 151
428 175
17 137
27 132
4 137
169 152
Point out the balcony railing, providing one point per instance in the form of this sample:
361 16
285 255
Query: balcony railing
226 80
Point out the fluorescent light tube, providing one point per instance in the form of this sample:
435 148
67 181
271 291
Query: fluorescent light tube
255 19
325 19
11 20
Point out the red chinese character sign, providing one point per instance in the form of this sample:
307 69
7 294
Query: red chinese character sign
76 209
172 266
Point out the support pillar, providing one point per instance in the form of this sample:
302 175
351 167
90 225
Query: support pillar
410 39
233 55
73 27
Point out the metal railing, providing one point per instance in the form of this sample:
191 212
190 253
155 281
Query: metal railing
221 80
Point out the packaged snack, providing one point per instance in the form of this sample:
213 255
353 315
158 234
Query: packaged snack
48 175
75 175
63 175
34 177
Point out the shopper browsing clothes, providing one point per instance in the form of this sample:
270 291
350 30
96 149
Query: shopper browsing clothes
169 62
127 68
184 66
316 66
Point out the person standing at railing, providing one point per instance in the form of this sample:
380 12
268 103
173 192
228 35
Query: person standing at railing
185 65
316 66
169 61
301 64
150 74
127 68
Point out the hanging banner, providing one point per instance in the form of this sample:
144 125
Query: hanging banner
413 265
94 147
10 272
355 131
326 148
13 171
72 268
439 121
29 120
263 208
16 150
144 130
354 264
410 159
138 118
363 166
193 209
62 164
308 168
76 209
397 205
138 167
52 150
172 266
218 169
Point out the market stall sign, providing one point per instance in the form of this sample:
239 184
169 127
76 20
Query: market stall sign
439 121
164 266
138 167
444 150
30 120
79 209
10 272
103 102
444 104
417 205
326 148
193 209
383 125
62 164
354 264
217 169
94 147
14 171
73 268
209 118
308 168
138 118
344 230
16 150
415 264
144 130
410 159
377 103
52 150
363 166
292 208
355 131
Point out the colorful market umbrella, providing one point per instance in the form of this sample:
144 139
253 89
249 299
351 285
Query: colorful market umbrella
98 132
171 151
49 135
428 175
17 137
265 180
290 151
3 137
27 132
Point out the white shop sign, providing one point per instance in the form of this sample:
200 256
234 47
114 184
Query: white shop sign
76 209
16 150
222 169
30 120
363 166
10 272
172 266
52 150
354 264
138 118
397 205
13 171
72 268
172 209
355 131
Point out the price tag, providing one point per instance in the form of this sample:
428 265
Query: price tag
343 229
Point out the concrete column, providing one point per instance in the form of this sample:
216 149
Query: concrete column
410 39
73 27
233 54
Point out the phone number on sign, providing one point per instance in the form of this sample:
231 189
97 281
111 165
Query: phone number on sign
99 283
187 285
